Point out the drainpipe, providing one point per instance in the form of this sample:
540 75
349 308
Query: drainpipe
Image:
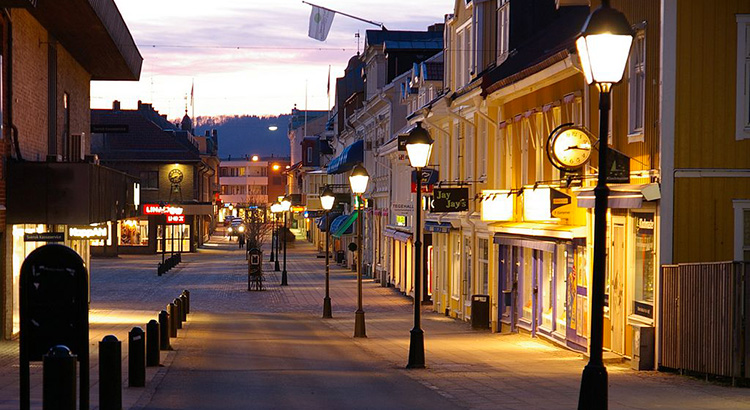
9 98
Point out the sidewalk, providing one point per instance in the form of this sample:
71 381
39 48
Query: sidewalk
479 369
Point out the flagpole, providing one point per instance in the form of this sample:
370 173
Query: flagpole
328 91
374 23
192 103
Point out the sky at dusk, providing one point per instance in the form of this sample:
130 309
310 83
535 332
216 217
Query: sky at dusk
247 57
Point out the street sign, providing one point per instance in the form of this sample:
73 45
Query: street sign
44 237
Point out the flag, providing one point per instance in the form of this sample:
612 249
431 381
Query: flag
192 88
320 23
328 87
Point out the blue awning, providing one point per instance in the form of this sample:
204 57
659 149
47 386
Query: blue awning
442 227
323 223
350 156
343 225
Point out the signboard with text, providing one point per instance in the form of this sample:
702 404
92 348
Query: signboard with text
88 232
175 219
450 199
429 178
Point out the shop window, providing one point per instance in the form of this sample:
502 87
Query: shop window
133 232
547 297
149 179
581 316
561 276
484 268
468 270
644 265
176 239
527 277
456 271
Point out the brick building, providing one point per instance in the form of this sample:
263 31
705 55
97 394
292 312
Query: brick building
50 183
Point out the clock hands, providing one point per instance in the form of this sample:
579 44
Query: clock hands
583 148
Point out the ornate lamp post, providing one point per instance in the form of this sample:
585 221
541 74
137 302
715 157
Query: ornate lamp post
327 199
276 209
273 232
358 181
418 147
603 47
286 203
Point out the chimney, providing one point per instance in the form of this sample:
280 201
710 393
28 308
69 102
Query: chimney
140 104
116 105
208 133
215 133
164 116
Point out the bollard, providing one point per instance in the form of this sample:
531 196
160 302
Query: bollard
187 300
164 330
152 343
110 373
59 379
183 307
178 312
172 315
136 357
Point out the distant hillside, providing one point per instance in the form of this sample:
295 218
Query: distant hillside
248 135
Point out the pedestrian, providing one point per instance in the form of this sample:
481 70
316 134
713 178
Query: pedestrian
242 241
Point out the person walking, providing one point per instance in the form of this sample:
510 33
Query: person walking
242 241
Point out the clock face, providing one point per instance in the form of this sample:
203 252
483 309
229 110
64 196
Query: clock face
569 148
175 176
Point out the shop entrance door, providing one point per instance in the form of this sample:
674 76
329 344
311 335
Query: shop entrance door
617 285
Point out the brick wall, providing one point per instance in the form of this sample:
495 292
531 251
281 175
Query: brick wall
74 80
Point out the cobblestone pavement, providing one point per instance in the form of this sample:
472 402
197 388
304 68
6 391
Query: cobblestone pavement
467 368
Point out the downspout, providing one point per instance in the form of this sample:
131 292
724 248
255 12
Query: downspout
9 98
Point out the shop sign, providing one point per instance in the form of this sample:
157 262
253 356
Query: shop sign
312 201
643 309
537 205
402 142
429 178
155 209
314 214
44 237
497 205
560 204
175 219
400 220
402 208
618 167
450 200
88 232
136 195
297 208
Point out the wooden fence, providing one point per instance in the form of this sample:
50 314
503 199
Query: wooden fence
704 319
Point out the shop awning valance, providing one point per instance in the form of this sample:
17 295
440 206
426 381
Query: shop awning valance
397 235
350 156
538 230
432 226
522 242
322 222
621 196
343 225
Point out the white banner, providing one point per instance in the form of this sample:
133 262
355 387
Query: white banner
320 23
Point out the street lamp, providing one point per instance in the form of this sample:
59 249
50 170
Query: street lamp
286 203
327 199
275 209
603 47
418 147
358 181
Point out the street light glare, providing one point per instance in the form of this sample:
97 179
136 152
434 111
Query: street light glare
255 158
273 128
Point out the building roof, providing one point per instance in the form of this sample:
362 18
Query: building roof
404 39
557 37
298 117
133 135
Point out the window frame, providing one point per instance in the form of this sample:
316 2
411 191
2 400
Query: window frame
740 206
743 77
502 36
637 88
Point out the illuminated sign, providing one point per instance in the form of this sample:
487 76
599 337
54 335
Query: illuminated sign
88 232
154 209
400 220
297 208
537 205
497 205
175 219
136 195
450 200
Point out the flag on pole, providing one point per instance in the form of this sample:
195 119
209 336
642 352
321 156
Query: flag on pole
320 23
328 87
192 88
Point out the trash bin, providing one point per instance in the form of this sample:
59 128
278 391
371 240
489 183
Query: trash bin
480 311
643 347
339 256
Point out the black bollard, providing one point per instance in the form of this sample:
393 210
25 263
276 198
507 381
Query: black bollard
187 300
136 357
110 373
172 315
164 330
183 307
152 343
59 379
178 312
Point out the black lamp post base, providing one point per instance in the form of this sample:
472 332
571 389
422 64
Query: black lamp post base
593 393
272 258
276 267
327 308
416 349
359 324
283 279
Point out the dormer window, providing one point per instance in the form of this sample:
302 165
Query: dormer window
503 30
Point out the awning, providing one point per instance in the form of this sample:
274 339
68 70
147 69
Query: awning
546 246
343 225
432 226
536 230
397 235
621 196
350 156
323 223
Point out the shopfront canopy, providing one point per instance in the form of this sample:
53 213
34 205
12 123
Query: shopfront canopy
350 156
397 235
323 220
343 225
432 226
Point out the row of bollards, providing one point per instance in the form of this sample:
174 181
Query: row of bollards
59 365
169 263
